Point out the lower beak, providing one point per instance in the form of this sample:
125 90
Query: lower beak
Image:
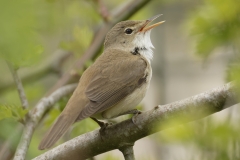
146 28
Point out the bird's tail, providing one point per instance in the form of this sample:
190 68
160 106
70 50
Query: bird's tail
56 131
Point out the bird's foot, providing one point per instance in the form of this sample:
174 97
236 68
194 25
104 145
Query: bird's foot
103 126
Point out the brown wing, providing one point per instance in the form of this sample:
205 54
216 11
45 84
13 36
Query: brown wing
110 86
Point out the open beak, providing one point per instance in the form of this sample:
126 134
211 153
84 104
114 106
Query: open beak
146 28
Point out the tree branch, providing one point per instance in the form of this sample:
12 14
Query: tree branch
19 85
22 148
149 122
120 14
34 117
102 9
127 151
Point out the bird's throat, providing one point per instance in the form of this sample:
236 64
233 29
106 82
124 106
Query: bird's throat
143 45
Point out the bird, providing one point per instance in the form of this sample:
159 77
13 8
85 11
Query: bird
115 83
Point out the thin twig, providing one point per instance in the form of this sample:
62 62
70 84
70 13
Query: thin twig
145 124
19 85
34 117
102 9
23 145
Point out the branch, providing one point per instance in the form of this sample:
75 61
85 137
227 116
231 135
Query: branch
102 9
127 151
120 14
147 123
19 85
34 117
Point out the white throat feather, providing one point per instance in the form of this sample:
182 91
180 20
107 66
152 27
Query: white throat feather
144 45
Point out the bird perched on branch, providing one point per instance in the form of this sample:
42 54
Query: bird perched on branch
115 84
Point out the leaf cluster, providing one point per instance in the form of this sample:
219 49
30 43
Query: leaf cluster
205 138
215 24
11 111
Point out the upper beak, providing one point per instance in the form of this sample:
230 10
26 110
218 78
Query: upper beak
146 28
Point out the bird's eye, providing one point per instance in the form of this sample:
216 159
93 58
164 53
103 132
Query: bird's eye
128 31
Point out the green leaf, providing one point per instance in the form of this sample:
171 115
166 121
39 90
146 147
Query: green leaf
11 111
5 112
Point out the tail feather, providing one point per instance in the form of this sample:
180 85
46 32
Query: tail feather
57 130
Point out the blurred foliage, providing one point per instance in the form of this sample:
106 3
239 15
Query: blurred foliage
205 138
26 23
8 126
11 111
19 42
81 39
233 74
111 157
215 24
